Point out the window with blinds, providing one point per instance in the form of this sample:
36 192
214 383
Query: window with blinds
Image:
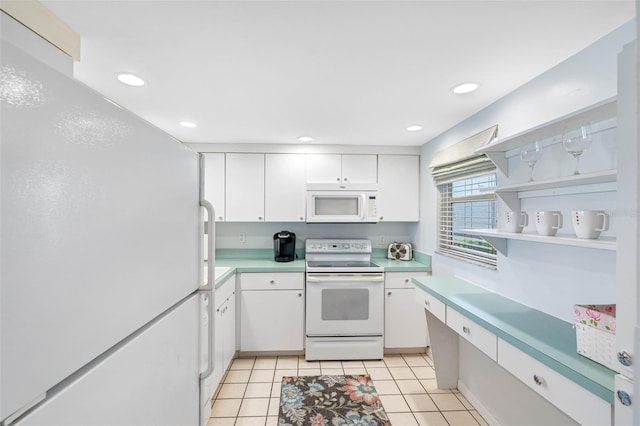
468 203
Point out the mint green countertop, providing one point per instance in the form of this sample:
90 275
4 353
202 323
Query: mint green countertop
392 265
262 265
544 337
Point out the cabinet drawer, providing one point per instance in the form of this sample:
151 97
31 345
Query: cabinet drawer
577 402
401 279
476 335
431 304
279 281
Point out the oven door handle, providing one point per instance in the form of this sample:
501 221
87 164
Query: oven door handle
343 277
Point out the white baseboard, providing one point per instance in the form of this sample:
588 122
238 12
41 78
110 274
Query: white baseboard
477 404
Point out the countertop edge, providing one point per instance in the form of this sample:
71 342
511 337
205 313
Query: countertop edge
595 387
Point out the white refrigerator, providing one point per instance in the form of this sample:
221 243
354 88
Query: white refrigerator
103 318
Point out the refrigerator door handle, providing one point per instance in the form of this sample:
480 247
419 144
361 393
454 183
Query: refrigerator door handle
208 287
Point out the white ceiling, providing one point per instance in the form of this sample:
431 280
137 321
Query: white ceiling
344 72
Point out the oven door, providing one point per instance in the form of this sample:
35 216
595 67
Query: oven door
345 304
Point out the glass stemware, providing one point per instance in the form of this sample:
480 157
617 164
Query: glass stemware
530 154
576 140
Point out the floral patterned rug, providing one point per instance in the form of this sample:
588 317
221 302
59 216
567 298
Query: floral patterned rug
330 401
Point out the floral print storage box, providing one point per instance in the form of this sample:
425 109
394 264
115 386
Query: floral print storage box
596 333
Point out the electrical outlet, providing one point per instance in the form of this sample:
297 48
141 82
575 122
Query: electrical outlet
243 237
381 239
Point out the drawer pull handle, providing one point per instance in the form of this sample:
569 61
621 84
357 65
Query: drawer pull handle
625 359
272 282
427 303
389 293
299 294
624 398
538 380
406 280
465 329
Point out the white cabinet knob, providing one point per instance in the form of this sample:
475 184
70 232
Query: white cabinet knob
625 359
624 398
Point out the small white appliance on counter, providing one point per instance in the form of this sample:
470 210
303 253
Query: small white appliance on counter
344 301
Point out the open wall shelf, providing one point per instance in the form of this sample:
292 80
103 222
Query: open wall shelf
499 239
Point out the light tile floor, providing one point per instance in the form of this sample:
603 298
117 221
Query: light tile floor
249 394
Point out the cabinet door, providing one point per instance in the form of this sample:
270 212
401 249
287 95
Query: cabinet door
229 333
214 178
218 345
324 168
359 168
245 187
271 320
398 188
285 189
404 320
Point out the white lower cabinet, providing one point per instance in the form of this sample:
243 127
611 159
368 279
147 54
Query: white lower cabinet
271 312
577 402
404 319
224 344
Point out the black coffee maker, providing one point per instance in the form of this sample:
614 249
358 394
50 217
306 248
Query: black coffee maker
284 246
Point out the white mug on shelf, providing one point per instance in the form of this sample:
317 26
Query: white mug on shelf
515 221
589 223
548 222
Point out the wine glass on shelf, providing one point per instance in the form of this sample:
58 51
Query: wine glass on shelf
530 154
576 140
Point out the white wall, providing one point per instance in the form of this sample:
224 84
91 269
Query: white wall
260 235
545 277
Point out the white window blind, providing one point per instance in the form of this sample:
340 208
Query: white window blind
467 203
466 181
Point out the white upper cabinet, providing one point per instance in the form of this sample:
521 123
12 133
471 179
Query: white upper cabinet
337 168
214 178
359 169
398 188
285 196
245 187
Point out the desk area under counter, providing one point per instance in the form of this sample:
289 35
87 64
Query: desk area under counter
534 347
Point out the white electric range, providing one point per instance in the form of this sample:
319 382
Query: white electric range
344 301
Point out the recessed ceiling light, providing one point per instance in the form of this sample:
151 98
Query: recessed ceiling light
189 124
465 88
414 128
130 79
305 139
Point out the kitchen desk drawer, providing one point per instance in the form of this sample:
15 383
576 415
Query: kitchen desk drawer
401 279
484 340
431 304
272 281
577 402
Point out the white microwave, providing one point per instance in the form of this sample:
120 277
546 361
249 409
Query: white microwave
342 206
